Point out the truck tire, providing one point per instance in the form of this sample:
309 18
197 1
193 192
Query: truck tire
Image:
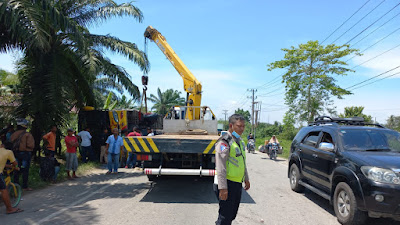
294 178
345 206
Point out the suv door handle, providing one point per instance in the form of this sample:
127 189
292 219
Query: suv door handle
315 155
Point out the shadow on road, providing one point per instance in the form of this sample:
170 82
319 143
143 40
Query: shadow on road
277 160
74 202
323 203
186 190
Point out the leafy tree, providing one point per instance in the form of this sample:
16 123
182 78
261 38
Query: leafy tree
288 130
165 100
9 96
114 102
61 58
245 114
355 111
393 122
309 77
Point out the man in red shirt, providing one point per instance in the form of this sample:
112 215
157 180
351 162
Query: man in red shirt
132 156
71 159
136 132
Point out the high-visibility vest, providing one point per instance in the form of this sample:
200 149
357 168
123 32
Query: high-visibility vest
236 164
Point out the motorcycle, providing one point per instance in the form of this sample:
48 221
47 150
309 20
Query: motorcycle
251 147
273 150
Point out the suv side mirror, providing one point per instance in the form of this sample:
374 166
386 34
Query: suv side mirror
326 146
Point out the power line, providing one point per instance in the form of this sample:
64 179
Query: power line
354 85
345 22
273 91
373 23
265 86
269 82
376 43
376 80
377 29
268 96
376 56
359 21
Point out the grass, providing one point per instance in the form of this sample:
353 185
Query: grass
284 143
36 182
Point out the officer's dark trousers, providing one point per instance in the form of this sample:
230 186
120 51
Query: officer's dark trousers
229 208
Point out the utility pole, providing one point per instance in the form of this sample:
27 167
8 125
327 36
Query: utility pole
225 113
257 111
252 108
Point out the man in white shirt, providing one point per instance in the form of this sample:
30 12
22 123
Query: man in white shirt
86 145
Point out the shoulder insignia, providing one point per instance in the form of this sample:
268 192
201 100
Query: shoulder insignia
223 146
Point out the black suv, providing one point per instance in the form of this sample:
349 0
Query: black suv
354 165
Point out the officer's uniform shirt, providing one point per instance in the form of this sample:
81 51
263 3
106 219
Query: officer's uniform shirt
222 150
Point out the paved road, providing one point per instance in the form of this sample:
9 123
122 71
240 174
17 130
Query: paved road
128 198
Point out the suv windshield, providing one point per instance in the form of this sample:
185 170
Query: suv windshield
370 140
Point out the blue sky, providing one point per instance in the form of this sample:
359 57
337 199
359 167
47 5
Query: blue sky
228 44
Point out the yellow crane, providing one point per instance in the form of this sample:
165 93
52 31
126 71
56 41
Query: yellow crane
191 85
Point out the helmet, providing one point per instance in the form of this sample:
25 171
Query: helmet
22 122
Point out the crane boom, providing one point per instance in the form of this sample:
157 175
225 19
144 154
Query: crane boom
191 85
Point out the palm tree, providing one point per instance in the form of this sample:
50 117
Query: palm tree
62 59
165 100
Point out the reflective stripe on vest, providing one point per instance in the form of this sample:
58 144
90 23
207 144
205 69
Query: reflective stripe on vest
235 165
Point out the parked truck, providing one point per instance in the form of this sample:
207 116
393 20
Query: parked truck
186 146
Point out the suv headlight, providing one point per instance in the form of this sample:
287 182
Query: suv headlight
380 175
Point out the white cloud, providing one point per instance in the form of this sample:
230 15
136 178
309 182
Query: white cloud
382 63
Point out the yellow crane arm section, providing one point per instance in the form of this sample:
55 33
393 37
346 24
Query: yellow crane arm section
191 85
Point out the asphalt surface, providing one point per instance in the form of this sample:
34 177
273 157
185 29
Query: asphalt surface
129 198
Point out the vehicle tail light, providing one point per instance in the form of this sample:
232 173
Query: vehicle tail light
144 157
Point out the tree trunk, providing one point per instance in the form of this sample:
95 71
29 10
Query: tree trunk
37 134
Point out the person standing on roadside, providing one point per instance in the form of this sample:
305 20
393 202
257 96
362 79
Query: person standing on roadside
23 144
50 139
135 132
230 156
71 159
86 144
103 140
4 156
150 132
8 143
113 148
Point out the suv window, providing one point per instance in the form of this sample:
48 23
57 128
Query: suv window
312 139
327 138
368 139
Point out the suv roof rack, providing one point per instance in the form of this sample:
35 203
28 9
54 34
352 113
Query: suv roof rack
354 121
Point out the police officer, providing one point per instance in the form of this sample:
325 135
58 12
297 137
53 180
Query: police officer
231 170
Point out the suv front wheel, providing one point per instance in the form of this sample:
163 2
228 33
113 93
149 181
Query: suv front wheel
345 206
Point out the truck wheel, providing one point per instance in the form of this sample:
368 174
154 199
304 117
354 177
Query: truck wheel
345 206
294 177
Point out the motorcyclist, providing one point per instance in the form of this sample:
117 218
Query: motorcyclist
250 137
272 141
